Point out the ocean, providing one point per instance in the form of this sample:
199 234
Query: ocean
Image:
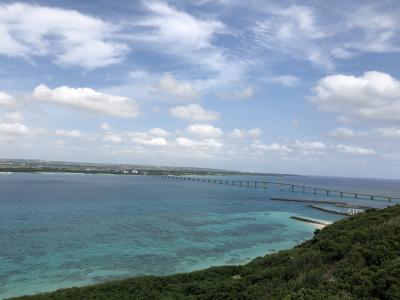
65 230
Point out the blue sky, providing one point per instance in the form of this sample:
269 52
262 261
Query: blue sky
305 87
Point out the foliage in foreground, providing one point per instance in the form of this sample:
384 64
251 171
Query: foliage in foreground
356 258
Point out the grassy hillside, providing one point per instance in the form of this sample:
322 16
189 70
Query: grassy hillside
356 258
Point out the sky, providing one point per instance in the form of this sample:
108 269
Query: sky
304 87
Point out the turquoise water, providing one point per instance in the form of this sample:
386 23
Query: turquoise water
63 230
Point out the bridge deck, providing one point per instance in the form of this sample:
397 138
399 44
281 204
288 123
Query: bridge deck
290 187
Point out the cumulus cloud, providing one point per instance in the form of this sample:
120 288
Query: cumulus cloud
203 130
342 133
309 146
153 137
14 117
179 89
6 99
13 129
112 138
194 112
274 147
153 141
69 133
70 37
87 99
372 96
159 132
242 133
198 144
351 149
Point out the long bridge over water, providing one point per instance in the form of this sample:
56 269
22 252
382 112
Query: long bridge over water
282 186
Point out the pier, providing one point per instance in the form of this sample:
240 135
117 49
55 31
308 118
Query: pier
289 187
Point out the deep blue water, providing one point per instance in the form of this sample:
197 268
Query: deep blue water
63 230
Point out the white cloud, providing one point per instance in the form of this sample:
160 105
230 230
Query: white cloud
285 80
242 133
13 129
378 29
14 117
112 138
88 99
387 132
178 89
342 133
255 132
153 137
274 147
350 149
309 146
168 30
178 29
6 99
194 112
159 132
69 133
185 142
309 33
172 31
294 30
203 130
68 36
198 144
105 126
155 141
372 96
238 133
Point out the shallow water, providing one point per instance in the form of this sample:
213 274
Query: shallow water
63 230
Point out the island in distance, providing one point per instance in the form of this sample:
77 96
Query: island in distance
36 166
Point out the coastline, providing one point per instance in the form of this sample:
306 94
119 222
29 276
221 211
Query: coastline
238 257
306 269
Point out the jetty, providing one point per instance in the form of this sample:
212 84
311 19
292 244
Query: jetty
312 201
283 186
333 211
310 220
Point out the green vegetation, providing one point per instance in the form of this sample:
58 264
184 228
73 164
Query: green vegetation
356 258
35 166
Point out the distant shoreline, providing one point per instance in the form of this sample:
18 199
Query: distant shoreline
35 165
34 170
